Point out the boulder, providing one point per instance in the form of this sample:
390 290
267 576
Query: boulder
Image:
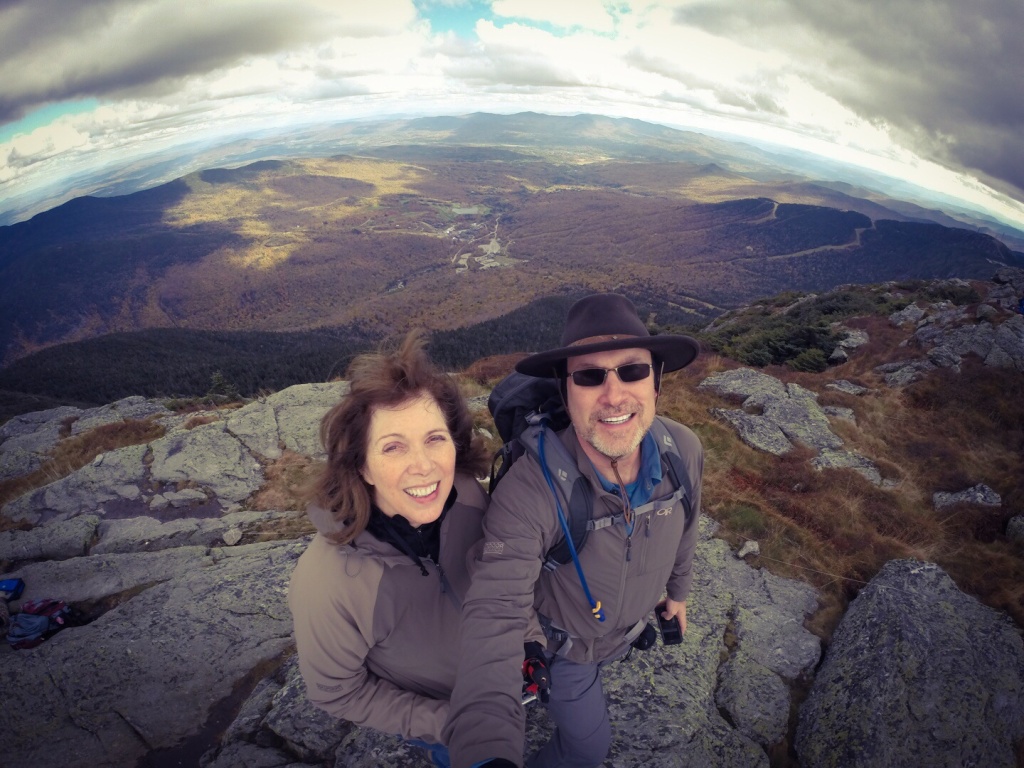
979 494
1015 529
110 484
134 407
842 385
59 541
1007 350
210 457
745 383
289 419
26 440
207 470
150 672
841 459
917 673
902 372
787 414
908 315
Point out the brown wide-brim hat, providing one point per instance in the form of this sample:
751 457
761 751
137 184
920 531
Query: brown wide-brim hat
613 320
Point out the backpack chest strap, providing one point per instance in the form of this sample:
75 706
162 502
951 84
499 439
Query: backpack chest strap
646 509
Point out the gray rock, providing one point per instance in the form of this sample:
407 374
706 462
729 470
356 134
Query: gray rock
839 412
209 457
1007 349
58 541
134 407
30 423
150 672
903 372
756 699
986 312
789 414
747 383
917 673
98 577
147 534
1003 296
756 431
966 339
910 314
854 338
945 356
979 494
838 356
802 421
1011 276
16 461
840 459
1015 528
26 440
842 385
289 419
309 732
110 483
748 548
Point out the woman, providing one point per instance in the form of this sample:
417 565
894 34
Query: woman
376 596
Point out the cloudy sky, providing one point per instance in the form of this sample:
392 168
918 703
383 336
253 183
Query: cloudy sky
923 90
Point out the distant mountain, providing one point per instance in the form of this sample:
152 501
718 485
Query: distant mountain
447 222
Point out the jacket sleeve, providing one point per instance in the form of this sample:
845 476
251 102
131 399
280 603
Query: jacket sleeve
487 718
334 634
692 453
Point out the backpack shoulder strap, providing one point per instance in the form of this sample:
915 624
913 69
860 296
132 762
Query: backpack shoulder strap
576 495
670 456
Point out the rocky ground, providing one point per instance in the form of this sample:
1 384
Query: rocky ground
186 657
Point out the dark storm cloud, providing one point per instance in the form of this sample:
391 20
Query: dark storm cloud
51 50
945 76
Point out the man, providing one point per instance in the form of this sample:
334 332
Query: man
609 368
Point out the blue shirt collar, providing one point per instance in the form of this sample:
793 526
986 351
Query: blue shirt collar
641 489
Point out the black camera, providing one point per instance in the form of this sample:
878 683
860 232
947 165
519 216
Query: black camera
671 632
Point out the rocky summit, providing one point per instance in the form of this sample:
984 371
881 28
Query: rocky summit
184 653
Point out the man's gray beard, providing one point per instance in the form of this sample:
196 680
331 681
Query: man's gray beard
610 453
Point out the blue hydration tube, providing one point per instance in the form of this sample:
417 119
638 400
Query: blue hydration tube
595 605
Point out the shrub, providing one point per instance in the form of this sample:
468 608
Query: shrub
809 361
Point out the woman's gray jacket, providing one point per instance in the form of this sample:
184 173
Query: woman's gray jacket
376 638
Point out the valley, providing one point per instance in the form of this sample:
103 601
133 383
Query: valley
435 231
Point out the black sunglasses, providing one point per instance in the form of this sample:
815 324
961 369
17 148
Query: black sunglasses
628 373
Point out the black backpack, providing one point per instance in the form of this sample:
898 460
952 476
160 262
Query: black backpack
527 411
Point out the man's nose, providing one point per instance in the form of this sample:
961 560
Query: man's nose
613 389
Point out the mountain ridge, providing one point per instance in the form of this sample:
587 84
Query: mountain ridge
434 231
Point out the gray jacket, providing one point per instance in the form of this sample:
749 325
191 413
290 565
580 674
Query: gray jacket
376 638
510 590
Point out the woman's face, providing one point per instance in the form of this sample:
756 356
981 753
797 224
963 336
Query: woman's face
410 460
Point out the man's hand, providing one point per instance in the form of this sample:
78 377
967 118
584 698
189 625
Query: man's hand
672 608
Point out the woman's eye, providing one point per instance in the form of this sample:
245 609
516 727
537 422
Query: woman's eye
438 439
392 448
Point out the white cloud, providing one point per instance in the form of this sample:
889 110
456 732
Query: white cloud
782 70
590 14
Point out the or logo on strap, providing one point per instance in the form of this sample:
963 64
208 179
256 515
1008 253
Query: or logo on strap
664 511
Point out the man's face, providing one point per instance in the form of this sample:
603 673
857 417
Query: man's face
611 418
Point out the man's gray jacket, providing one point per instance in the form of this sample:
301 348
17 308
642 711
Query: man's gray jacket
510 589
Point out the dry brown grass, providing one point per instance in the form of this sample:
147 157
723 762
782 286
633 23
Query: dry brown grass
199 419
835 529
287 484
73 453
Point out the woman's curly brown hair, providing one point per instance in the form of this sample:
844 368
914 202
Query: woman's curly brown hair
385 379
